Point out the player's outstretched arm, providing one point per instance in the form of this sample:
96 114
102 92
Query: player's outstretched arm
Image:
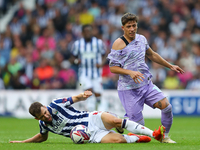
38 138
135 75
82 96
153 56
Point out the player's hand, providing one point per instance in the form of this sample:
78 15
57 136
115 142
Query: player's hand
86 94
99 65
177 69
136 76
16 142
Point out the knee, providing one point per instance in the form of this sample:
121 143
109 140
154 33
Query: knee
167 109
117 121
170 107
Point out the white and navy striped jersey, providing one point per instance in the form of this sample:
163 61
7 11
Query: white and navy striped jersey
64 117
90 54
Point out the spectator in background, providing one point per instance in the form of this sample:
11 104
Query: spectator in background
196 13
85 17
159 74
20 80
1 84
46 41
26 34
4 54
59 21
177 26
171 81
6 38
56 81
35 81
64 49
14 66
44 71
36 33
46 44
20 12
185 78
194 83
42 19
15 25
68 75
29 67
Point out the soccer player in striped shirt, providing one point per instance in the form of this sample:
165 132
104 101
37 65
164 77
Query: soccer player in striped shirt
89 52
60 117
135 88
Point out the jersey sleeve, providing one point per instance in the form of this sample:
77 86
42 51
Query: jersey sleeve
43 129
101 47
63 101
116 58
75 48
144 40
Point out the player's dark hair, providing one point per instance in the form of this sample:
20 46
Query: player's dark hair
128 17
85 26
35 108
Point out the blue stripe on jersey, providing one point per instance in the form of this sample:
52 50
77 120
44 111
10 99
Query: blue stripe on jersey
79 54
86 62
43 126
77 123
98 72
79 45
92 60
73 109
67 115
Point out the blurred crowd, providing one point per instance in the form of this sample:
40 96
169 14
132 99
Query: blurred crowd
35 48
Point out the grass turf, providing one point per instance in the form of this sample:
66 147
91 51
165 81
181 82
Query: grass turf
185 131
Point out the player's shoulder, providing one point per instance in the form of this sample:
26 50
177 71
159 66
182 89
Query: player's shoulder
118 44
140 37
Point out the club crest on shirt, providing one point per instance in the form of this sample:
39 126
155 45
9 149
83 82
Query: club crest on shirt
54 112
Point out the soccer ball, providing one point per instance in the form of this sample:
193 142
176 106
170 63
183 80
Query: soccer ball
80 134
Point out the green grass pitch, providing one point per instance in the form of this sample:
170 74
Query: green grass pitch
185 131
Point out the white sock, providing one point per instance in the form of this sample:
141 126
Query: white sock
166 135
130 139
136 128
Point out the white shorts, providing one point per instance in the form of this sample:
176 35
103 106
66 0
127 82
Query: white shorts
95 84
96 127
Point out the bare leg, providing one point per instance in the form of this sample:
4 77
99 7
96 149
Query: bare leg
113 138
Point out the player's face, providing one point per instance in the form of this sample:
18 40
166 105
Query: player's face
44 115
87 33
130 29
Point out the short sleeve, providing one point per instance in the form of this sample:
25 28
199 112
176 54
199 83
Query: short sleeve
63 101
117 58
75 48
43 128
144 40
101 46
